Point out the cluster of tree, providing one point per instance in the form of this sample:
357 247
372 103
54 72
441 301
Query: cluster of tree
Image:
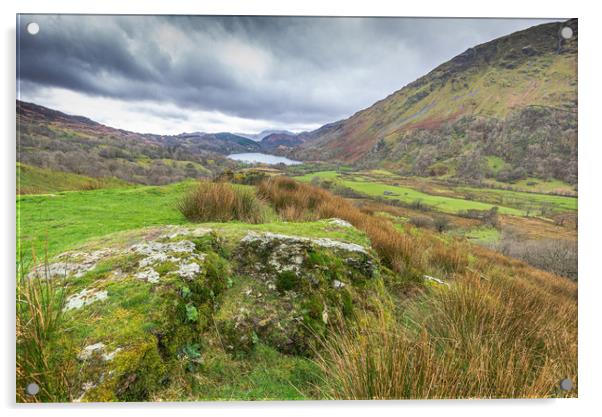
533 142
554 255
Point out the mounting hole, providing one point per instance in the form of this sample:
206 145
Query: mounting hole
566 32
33 28
32 389
566 384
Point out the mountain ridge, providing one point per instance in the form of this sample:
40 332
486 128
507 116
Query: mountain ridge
532 67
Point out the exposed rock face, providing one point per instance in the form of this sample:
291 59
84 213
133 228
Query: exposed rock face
340 223
129 307
83 298
71 264
270 253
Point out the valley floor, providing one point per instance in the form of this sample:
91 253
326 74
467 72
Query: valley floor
244 322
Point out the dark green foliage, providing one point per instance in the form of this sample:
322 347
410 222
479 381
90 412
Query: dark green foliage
192 314
534 142
211 241
441 224
217 273
192 353
287 281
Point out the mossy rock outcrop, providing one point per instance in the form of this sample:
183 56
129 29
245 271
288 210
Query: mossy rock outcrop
143 309
292 289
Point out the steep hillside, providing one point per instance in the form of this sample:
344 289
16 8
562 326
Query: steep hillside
54 140
223 143
281 142
514 98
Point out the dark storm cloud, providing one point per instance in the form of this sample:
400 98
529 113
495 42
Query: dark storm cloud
290 70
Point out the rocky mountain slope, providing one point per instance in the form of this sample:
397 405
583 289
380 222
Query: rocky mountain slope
513 98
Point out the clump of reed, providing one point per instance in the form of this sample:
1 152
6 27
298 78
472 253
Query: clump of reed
222 202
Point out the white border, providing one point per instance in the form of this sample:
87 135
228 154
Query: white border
590 204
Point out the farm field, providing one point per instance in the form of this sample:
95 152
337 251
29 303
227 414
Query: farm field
446 198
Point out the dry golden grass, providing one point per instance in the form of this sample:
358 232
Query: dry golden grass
221 202
500 337
501 330
403 252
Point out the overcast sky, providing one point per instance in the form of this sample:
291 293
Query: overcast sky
178 74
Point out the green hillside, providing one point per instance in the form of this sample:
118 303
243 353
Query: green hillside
513 99
34 180
52 139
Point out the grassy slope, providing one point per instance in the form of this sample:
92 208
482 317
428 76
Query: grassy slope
512 198
80 220
34 180
73 217
470 84
536 185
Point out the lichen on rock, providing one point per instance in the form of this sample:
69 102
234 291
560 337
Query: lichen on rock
83 298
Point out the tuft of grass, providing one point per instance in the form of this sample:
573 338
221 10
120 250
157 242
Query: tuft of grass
39 314
480 339
222 202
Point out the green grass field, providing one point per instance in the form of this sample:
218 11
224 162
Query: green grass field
509 202
34 180
409 195
536 185
66 218
90 220
522 199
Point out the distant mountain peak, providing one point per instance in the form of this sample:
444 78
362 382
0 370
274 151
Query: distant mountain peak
259 136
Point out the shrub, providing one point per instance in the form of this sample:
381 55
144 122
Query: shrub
441 224
553 255
418 204
424 222
222 202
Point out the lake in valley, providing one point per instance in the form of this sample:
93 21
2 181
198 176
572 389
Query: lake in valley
263 158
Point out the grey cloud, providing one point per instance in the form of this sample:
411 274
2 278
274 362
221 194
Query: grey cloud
285 69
